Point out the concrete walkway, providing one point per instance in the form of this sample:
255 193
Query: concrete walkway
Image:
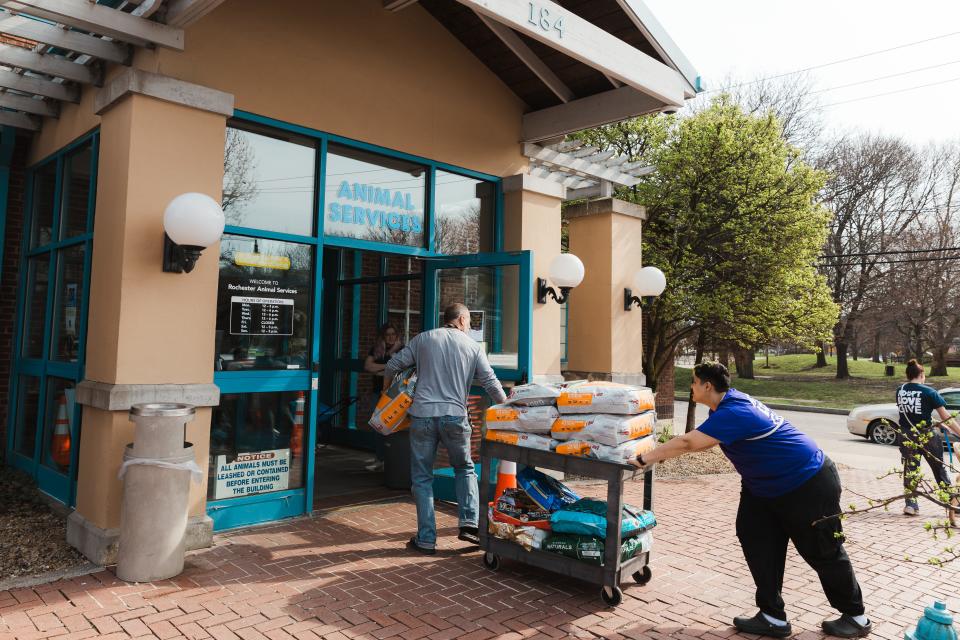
347 575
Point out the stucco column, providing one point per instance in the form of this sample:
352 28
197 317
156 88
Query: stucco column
604 341
150 335
531 221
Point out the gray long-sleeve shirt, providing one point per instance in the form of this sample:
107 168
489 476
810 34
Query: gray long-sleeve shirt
447 360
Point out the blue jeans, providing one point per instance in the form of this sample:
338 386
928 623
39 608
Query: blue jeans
425 434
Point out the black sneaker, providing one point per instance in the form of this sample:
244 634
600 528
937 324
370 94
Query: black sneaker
412 545
469 534
846 627
759 625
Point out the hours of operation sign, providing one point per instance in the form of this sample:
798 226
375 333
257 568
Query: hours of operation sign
250 316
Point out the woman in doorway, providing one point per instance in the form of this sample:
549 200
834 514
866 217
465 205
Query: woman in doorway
387 344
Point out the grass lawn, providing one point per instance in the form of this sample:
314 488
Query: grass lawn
794 380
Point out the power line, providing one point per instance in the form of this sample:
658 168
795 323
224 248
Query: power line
886 93
885 253
910 210
840 61
911 260
886 77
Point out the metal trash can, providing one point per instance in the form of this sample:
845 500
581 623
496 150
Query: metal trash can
396 460
888 370
156 472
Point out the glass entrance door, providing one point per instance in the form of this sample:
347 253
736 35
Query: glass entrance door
373 306
498 290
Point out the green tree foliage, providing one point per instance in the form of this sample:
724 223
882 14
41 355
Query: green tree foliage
734 225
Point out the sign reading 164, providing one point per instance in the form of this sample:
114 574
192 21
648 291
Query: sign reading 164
541 17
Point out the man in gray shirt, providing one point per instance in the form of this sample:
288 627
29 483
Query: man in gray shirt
447 360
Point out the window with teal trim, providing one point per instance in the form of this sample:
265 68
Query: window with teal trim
265 314
464 210
269 181
52 309
370 196
263 304
257 444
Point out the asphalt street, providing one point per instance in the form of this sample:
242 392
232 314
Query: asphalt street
829 431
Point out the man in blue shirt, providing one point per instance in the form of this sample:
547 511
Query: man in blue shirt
788 485
916 403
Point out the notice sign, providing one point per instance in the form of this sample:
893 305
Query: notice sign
256 472
251 316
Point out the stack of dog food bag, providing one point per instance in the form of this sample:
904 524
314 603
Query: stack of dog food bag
600 420
526 418
605 420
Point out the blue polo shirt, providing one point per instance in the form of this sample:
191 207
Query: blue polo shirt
916 403
772 456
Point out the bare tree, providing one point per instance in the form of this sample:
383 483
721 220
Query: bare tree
239 173
792 99
458 234
878 186
923 286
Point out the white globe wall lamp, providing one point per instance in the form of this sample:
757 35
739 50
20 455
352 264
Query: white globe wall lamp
191 223
566 272
649 283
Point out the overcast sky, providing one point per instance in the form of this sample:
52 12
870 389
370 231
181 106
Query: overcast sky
754 38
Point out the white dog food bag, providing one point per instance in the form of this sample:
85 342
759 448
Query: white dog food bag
526 419
534 395
621 454
610 430
529 440
605 397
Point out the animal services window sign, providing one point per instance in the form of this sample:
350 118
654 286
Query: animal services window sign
254 472
371 212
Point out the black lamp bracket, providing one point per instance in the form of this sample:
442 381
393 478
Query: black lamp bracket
629 300
179 258
543 291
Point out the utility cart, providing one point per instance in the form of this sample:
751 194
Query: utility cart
609 576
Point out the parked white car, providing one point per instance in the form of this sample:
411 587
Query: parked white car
877 422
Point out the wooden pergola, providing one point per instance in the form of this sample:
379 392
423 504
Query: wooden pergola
52 47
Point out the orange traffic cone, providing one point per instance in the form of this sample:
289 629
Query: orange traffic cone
506 478
60 442
296 434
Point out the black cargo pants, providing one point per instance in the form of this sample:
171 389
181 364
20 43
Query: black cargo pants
764 525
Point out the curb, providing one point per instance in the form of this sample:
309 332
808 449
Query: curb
32 580
790 407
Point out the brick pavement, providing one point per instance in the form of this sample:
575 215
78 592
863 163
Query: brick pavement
346 575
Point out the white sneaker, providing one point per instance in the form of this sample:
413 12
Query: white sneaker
911 510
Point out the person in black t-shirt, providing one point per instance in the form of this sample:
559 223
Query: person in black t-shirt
916 403
387 344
